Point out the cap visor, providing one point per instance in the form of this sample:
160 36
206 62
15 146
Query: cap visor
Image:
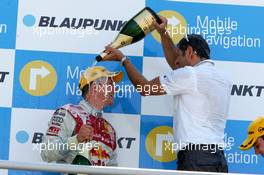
248 143
117 76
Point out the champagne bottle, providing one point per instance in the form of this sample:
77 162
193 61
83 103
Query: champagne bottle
134 30
82 158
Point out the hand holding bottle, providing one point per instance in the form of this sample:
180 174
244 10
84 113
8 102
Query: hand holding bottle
161 28
85 134
113 54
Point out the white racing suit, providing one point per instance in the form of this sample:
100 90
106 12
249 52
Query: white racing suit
60 143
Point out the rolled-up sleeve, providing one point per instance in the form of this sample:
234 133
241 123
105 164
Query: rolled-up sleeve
179 81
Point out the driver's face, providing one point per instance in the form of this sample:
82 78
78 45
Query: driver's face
259 146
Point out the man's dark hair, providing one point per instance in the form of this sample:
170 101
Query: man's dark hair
262 137
198 43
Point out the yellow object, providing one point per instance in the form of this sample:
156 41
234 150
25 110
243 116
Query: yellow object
255 130
160 144
93 73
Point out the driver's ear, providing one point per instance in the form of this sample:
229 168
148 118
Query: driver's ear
189 51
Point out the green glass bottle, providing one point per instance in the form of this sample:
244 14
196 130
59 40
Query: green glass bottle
81 159
134 30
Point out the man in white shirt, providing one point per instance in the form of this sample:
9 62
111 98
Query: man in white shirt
201 96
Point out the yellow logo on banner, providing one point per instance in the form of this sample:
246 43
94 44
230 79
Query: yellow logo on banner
177 26
159 144
38 78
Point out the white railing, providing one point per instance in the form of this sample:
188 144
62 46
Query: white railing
65 168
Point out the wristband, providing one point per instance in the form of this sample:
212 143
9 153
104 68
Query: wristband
122 60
